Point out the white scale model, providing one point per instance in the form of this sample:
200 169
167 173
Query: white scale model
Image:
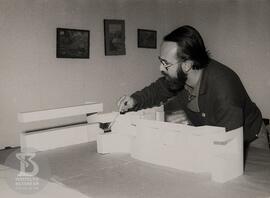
146 136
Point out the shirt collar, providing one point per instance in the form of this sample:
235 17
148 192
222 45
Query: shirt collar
193 94
203 84
196 90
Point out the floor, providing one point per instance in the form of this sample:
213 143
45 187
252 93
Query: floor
81 168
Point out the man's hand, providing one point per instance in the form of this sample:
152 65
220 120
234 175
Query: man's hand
179 117
125 103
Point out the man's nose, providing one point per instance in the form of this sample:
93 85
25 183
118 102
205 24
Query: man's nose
162 68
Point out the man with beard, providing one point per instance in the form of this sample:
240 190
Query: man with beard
208 92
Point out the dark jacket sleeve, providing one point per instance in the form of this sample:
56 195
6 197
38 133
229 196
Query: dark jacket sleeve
229 102
229 116
153 95
230 106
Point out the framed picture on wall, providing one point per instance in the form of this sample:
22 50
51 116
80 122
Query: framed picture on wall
72 43
114 36
147 38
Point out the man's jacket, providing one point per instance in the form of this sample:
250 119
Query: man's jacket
222 101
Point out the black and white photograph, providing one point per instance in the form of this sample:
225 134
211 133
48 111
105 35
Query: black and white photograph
114 36
147 38
72 43
134 99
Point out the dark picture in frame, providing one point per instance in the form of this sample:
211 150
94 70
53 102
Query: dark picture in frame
72 43
147 38
114 36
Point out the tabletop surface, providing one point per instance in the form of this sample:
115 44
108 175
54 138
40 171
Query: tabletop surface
118 175
81 168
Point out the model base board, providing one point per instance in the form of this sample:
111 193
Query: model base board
196 149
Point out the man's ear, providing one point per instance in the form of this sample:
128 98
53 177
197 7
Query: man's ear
187 66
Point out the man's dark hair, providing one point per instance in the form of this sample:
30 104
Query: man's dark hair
190 46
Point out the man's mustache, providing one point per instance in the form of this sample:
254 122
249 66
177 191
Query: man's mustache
175 84
164 74
168 77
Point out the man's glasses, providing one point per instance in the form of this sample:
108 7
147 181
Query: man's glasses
165 63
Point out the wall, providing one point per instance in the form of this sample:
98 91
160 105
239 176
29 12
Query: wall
237 33
32 78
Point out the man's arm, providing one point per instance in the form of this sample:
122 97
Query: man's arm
229 102
229 116
152 95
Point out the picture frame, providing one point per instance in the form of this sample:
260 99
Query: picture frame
72 43
147 38
114 37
